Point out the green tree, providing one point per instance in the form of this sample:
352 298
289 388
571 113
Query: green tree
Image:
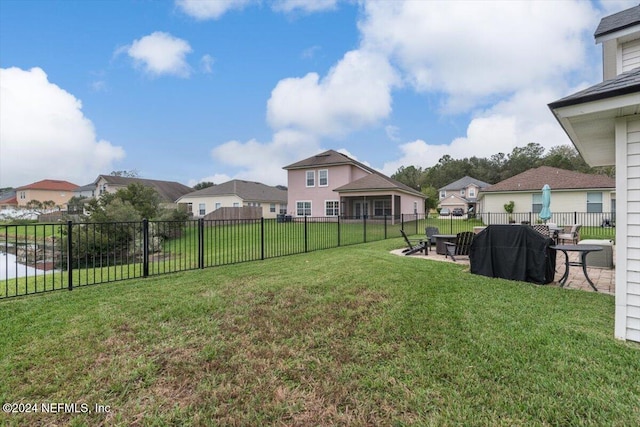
204 184
522 159
76 204
144 199
125 173
410 176
432 197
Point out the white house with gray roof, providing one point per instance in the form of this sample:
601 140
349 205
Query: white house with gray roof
603 122
462 193
236 193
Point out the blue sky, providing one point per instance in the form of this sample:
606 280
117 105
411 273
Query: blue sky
213 90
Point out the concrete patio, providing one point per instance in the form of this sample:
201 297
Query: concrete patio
603 278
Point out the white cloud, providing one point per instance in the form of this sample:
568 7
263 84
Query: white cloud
206 63
160 53
355 93
392 132
613 6
214 9
263 162
474 51
310 52
502 61
307 6
217 178
45 135
210 9
514 122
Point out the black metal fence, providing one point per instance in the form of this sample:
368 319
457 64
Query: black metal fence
38 258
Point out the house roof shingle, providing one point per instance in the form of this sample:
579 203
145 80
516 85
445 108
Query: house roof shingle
558 179
9 198
246 190
624 84
86 187
327 158
618 21
49 184
169 191
375 181
464 182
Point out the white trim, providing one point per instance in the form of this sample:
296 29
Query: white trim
332 201
320 182
617 34
310 207
620 325
306 178
607 106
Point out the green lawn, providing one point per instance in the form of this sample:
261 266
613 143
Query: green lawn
348 336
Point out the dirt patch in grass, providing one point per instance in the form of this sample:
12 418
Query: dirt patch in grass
293 351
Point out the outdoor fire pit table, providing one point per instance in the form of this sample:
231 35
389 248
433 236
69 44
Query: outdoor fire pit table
441 248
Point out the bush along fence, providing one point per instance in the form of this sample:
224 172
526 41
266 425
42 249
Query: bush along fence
38 258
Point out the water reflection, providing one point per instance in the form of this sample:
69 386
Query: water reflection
10 268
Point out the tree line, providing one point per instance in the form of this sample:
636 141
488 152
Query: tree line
494 169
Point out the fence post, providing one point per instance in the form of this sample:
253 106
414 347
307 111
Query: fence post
402 221
69 255
305 234
262 238
364 227
145 248
338 230
385 226
201 243
575 217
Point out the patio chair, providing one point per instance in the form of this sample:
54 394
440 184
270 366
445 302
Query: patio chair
542 229
414 245
572 236
461 246
430 232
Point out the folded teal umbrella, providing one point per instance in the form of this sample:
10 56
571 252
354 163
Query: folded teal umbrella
545 213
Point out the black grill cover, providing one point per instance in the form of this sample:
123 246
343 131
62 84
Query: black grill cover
515 252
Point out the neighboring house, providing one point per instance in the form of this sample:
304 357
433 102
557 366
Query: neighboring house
169 191
570 192
236 193
86 191
59 192
462 193
331 184
8 200
604 125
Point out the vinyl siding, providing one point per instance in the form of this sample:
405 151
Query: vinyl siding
632 239
630 55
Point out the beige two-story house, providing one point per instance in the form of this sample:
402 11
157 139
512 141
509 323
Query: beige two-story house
57 191
462 194
169 191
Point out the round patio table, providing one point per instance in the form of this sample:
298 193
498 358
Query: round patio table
583 250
